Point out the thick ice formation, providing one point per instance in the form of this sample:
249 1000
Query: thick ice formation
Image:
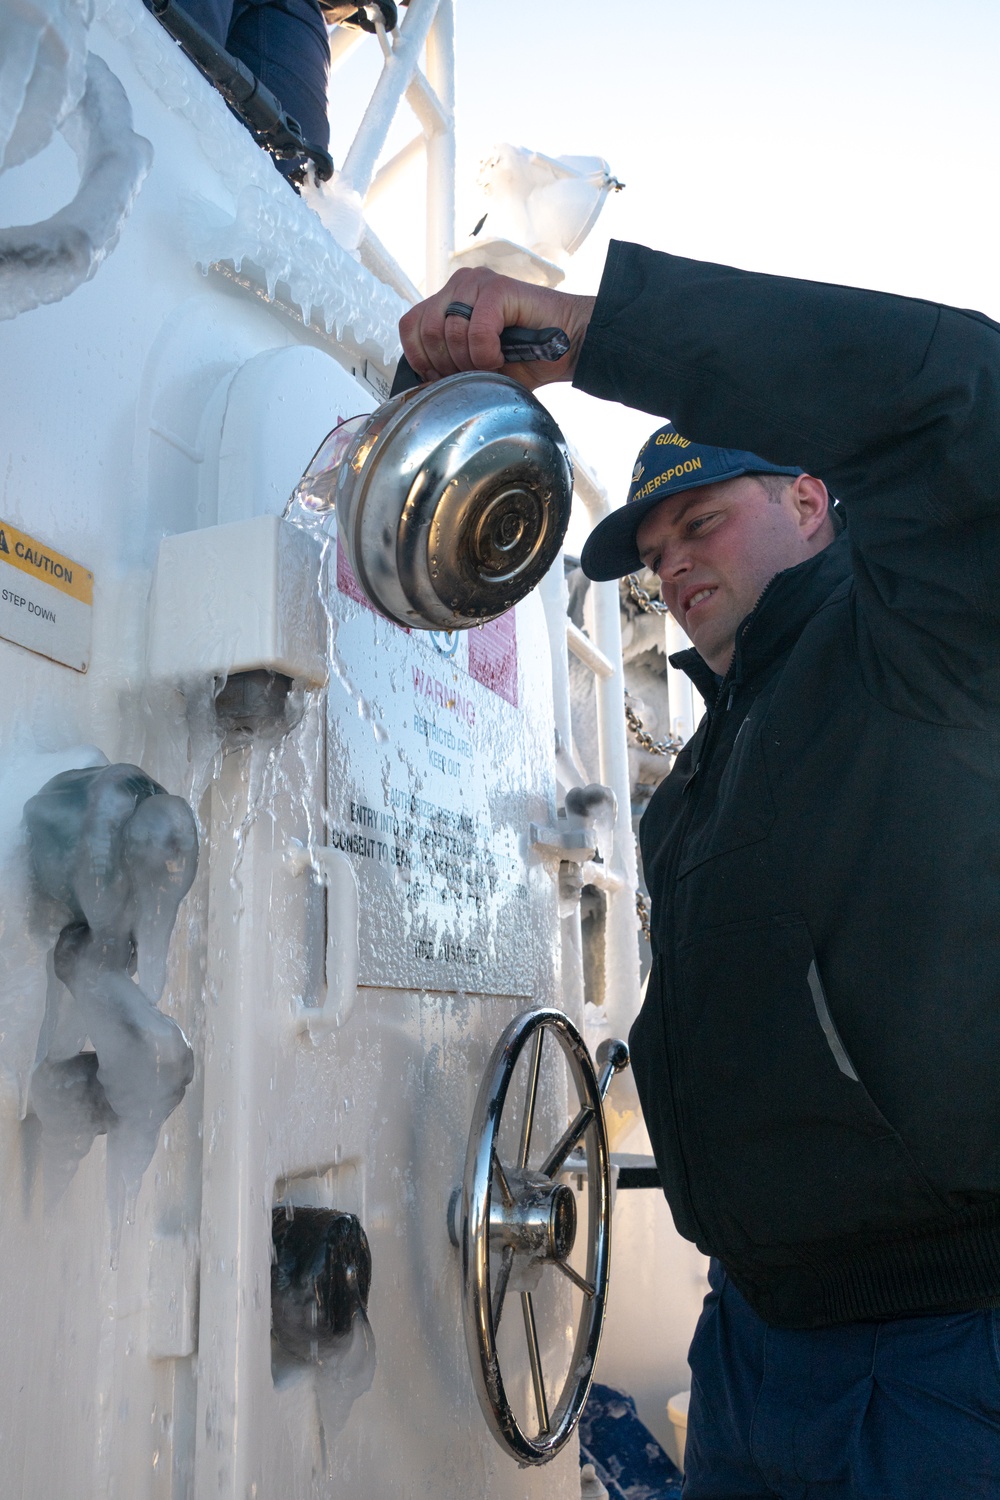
119 853
45 262
73 1108
270 229
43 54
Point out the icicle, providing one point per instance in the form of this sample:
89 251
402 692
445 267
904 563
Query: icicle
345 1372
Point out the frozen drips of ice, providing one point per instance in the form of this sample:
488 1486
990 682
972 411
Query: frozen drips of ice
119 853
144 1060
73 1109
275 238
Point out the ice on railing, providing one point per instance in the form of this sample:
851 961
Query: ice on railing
46 262
119 854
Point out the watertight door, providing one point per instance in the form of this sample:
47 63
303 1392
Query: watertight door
368 915
375 917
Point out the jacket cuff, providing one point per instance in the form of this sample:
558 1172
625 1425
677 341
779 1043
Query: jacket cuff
593 368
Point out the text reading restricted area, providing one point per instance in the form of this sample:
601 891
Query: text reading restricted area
436 734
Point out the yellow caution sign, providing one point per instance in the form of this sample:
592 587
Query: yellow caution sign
45 564
46 600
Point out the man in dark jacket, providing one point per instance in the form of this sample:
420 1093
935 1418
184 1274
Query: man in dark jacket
818 1055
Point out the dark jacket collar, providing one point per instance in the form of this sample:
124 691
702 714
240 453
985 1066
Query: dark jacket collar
777 619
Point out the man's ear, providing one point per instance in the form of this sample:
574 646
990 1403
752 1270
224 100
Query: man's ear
811 500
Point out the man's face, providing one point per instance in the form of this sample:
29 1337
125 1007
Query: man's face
716 549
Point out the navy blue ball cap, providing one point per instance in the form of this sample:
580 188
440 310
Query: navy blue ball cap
667 465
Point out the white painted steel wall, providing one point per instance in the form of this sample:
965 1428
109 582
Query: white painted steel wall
158 400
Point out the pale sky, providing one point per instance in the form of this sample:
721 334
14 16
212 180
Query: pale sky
846 141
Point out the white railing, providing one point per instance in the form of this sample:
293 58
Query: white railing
601 651
430 93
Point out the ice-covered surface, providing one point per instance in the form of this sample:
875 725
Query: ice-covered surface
324 1391
320 1281
277 234
43 53
340 208
118 853
29 922
49 82
268 228
344 1373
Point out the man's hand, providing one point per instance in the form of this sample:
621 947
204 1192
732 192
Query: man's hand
437 346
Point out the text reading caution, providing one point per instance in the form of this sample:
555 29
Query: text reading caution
46 600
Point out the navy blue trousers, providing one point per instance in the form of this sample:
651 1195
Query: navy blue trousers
285 43
901 1410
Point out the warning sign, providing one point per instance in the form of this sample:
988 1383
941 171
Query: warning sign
46 599
432 786
493 656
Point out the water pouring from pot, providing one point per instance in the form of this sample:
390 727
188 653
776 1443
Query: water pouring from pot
452 499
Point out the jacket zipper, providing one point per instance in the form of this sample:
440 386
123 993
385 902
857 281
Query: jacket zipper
670 966
729 682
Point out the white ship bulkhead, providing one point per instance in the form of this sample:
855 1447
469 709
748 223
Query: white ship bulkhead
376 896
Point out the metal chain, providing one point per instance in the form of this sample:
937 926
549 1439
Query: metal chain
644 739
642 912
646 602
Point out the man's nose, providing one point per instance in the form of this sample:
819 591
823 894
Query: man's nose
675 561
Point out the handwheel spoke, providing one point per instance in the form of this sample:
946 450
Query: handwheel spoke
529 1102
500 1290
501 1176
534 1355
565 1144
576 1278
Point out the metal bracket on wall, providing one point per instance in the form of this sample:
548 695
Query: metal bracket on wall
343 954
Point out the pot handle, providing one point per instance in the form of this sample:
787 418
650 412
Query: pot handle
517 345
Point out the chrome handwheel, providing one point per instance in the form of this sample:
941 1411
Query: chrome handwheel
514 1224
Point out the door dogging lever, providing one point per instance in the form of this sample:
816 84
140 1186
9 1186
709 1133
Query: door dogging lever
320 1279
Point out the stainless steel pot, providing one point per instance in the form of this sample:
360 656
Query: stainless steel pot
452 500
